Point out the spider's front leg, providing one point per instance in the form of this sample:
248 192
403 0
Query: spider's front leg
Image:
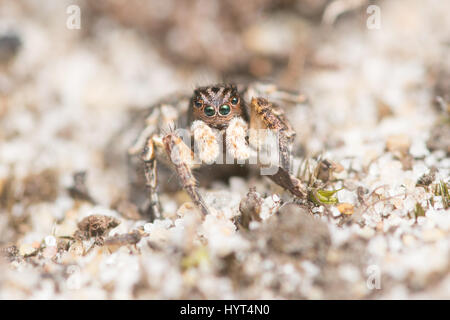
182 158
266 116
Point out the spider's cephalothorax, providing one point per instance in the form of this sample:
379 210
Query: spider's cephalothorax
217 105
210 114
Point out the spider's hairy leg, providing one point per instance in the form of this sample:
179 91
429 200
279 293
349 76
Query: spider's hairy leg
148 156
206 141
271 91
236 139
265 115
162 117
150 128
182 158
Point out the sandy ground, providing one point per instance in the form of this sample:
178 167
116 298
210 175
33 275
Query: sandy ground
65 94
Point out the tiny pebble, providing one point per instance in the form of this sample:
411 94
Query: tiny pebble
50 241
335 212
346 208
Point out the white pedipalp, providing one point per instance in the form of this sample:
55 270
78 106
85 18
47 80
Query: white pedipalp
206 142
236 141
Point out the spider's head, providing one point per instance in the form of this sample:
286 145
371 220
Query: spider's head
216 105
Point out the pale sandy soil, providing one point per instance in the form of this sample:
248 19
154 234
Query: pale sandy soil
66 93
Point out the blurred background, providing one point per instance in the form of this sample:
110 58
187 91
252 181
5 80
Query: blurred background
79 67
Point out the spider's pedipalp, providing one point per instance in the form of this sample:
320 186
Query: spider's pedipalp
206 142
236 139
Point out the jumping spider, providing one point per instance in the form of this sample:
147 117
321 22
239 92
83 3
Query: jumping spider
218 118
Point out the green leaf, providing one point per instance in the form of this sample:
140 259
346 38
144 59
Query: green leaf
322 196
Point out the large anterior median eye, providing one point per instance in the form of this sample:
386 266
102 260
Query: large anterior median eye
224 109
209 111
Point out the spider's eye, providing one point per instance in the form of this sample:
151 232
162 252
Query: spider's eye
198 103
234 101
224 109
209 111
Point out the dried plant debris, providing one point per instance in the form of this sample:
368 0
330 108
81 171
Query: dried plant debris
96 225
250 208
427 178
317 172
326 169
419 211
441 189
79 189
7 192
126 239
10 252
